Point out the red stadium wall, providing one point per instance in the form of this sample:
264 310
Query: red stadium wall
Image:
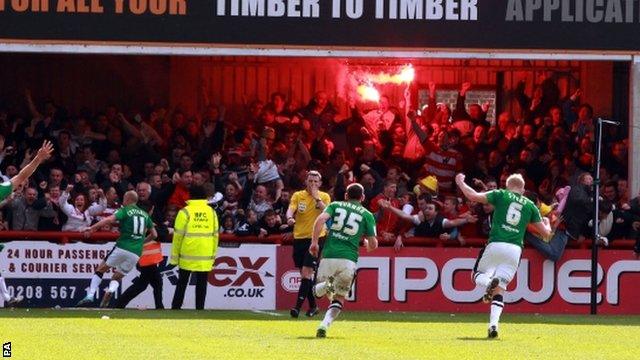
85 81
439 280
131 82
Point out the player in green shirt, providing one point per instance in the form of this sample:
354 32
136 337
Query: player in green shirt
498 261
349 223
136 228
6 188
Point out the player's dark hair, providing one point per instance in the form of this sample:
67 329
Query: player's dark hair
355 192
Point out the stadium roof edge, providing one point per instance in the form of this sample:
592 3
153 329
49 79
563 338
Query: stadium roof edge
250 50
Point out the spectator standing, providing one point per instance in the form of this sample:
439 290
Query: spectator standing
80 214
195 242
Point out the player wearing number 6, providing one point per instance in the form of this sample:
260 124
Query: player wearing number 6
498 262
136 228
350 222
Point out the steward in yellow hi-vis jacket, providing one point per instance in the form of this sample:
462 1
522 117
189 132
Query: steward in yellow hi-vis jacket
195 241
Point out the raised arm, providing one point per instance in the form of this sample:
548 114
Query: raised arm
62 201
129 128
32 107
460 111
469 192
99 206
422 135
43 154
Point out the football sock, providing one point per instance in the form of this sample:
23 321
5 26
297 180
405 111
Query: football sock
482 279
312 299
3 290
321 289
497 305
96 279
332 314
113 286
305 286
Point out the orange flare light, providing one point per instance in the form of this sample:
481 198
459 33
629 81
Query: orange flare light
368 93
406 75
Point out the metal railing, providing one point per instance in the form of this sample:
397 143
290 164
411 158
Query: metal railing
64 237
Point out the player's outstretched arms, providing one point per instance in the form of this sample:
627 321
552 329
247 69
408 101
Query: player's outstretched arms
469 192
106 221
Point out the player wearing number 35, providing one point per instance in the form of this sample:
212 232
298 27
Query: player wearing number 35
498 261
136 228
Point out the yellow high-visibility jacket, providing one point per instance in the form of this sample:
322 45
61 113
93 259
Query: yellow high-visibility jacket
195 237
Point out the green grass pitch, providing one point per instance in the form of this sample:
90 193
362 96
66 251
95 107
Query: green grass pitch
136 334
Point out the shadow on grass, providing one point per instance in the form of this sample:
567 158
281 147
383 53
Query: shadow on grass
328 338
469 338
355 316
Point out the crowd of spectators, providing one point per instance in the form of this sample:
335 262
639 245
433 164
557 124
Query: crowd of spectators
405 157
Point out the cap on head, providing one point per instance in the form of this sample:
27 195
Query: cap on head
429 182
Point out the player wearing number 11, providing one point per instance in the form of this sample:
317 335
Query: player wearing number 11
498 261
136 228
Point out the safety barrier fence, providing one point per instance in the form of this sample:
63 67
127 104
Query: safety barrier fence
65 237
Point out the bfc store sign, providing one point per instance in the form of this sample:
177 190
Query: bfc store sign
439 280
49 275
453 24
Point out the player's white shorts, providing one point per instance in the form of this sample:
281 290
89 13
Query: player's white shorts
501 260
122 260
342 271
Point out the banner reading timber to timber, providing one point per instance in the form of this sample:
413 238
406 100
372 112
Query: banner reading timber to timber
487 24
48 275
439 280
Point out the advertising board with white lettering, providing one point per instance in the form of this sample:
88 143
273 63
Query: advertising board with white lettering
452 24
49 275
439 280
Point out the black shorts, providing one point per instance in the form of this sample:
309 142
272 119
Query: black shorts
301 255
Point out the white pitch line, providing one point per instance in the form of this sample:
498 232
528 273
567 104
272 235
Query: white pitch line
266 312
